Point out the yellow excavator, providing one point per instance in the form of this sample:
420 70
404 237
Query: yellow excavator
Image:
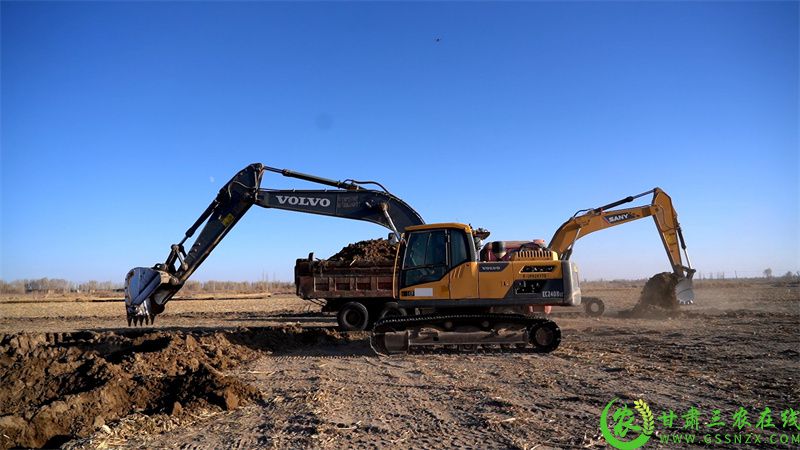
508 277
588 221
445 295
666 219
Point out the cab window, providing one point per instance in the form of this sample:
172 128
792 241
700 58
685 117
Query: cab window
426 257
458 248
431 254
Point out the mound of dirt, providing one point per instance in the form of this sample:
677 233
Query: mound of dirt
657 299
378 251
59 386
659 291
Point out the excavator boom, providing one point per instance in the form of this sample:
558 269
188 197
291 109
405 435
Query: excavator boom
147 290
666 220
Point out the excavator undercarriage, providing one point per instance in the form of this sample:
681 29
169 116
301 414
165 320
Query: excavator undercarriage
465 333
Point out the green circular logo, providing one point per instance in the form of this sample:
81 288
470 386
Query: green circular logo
618 436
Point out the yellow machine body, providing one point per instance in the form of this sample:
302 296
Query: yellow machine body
438 266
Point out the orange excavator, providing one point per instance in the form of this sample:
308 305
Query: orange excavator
588 221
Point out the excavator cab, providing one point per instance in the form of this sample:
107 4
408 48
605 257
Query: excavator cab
426 257
439 262
431 252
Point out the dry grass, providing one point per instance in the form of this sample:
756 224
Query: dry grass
72 312
711 295
723 352
71 315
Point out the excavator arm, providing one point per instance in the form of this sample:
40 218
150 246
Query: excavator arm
666 220
147 290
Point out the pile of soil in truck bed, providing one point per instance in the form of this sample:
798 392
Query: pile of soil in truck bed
374 251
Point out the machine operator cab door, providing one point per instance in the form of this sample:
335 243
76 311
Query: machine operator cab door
438 263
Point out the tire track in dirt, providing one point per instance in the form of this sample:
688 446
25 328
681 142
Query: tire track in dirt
320 389
291 389
340 397
284 419
433 401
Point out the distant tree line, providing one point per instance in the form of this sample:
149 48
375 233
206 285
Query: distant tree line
55 285
787 276
212 286
748 275
58 285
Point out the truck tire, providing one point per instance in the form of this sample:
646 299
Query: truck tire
593 306
392 309
353 316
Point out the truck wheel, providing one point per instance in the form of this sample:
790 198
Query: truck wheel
593 306
392 309
353 316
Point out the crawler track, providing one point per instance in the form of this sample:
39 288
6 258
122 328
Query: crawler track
465 333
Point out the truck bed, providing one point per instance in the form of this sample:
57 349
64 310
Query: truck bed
339 280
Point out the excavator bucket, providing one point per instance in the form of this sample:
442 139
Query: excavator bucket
140 285
684 291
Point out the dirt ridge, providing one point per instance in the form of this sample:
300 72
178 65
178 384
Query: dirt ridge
59 386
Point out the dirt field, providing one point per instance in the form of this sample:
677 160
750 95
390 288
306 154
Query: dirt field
272 372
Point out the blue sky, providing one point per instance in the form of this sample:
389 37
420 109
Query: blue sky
120 121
